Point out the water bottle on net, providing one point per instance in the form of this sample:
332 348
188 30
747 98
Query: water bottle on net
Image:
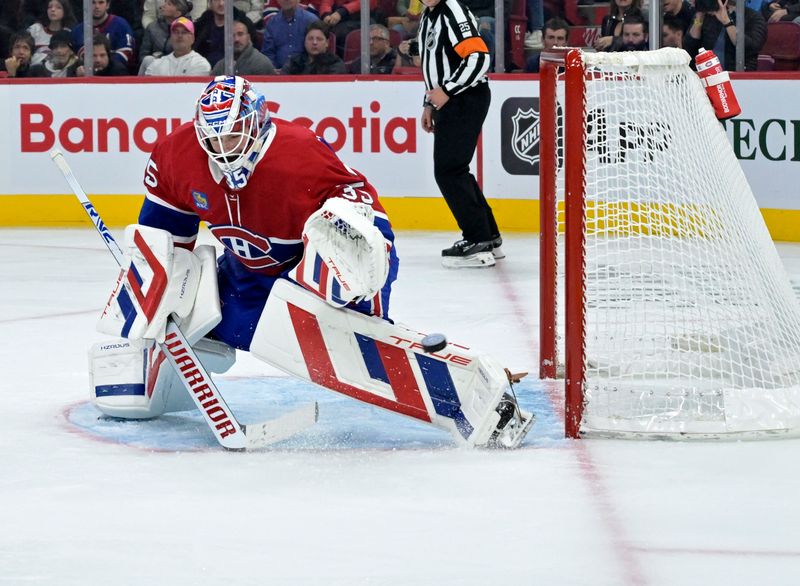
718 85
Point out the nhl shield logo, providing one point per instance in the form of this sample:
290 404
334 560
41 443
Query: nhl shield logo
525 135
520 136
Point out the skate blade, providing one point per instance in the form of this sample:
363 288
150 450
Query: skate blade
513 436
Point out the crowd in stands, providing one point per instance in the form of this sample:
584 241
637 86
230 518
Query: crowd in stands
687 24
44 38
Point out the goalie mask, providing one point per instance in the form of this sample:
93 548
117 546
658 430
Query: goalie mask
231 121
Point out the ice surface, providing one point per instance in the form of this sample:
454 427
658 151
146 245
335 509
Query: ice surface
367 497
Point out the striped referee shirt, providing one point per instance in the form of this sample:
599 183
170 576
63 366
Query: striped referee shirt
454 56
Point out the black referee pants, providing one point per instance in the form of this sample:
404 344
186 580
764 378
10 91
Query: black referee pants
456 129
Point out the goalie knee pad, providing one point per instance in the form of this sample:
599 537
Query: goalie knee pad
134 380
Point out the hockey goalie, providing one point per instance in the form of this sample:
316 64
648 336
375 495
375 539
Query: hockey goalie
303 284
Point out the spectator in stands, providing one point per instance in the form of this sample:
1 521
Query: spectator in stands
19 63
9 14
681 11
635 35
534 10
113 27
210 30
285 32
787 10
610 38
408 54
483 10
342 17
17 15
103 60
272 7
247 60
77 9
315 59
556 33
672 33
381 55
253 10
59 60
717 30
182 60
406 18
131 11
152 10
5 42
57 16
156 39
314 6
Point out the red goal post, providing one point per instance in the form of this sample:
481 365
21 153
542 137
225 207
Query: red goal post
659 284
571 62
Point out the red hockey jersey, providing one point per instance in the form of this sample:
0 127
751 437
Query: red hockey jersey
262 223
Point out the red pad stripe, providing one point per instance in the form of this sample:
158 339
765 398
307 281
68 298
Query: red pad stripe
300 269
401 377
323 280
321 370
154 366
377 306
150 302
300 274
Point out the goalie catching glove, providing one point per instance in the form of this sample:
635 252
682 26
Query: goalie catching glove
158 281
346 257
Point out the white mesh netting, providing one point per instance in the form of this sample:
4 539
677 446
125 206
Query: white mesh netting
692 326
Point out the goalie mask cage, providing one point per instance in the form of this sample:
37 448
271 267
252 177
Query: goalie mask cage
657 271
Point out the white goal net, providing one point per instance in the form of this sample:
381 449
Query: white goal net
691 324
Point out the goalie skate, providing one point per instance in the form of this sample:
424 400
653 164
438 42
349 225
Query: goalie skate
513 425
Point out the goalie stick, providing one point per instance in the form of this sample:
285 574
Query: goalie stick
230 434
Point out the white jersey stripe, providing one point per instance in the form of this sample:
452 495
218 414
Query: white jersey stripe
157 200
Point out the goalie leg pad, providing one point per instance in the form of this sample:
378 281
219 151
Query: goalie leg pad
134 380
381 363
206 312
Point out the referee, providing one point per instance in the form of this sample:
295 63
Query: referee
454 64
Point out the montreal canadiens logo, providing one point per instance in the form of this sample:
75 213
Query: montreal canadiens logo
252 249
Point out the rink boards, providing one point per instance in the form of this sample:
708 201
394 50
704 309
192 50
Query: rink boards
373 123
